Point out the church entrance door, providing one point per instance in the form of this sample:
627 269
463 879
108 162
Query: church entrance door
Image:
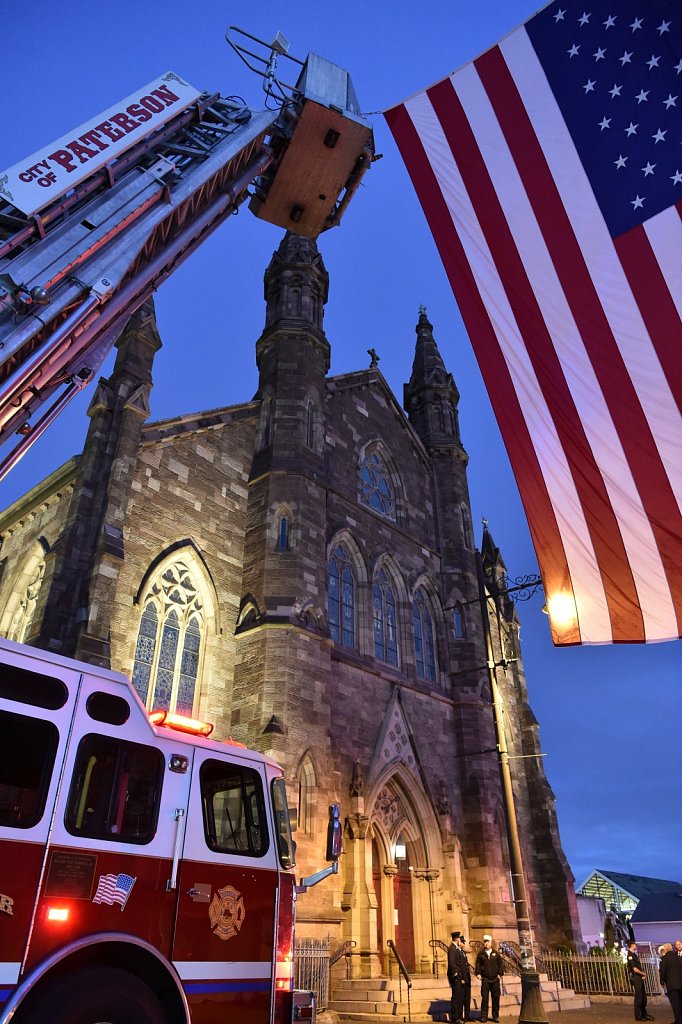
404 923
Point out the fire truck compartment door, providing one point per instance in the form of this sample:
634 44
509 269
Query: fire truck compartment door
227 889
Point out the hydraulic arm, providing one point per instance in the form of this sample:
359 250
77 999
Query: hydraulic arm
92 225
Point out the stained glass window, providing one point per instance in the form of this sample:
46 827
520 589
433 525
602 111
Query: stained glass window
283 539
385 622
341 598
168 650
424 647
375 487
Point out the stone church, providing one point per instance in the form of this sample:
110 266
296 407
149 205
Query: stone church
301 570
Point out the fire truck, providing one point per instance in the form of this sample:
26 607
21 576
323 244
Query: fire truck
92 224
146 871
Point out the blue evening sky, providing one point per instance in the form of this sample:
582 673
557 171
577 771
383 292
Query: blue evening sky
609 717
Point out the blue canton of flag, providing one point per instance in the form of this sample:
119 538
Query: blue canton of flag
615 69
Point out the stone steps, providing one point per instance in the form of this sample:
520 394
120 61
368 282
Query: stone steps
380 1000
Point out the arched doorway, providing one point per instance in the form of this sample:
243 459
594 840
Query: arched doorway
399 859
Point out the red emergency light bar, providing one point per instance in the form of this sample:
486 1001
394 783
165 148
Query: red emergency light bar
181 722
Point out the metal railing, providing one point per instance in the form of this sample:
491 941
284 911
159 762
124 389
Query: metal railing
311 968
402 973
598 975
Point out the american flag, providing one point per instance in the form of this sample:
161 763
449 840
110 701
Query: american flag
114 889
550 171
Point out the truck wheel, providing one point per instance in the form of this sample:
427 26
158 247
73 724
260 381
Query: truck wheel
98 995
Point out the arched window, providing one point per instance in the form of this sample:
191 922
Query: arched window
467 530
376 489
169 641
459 621
265 424
311 424
283 533
341 597
424 647
385 622
306 795
21 607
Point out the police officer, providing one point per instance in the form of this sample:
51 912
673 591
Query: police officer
455 977
466 979
489 968
637 977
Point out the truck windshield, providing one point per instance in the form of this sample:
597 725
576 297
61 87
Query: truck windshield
285 842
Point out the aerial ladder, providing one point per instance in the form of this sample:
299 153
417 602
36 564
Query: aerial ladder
94 223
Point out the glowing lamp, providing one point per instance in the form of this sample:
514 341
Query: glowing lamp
58 913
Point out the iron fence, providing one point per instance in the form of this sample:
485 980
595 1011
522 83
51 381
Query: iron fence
311 968
597 975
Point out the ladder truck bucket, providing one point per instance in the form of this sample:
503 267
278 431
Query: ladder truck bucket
330 149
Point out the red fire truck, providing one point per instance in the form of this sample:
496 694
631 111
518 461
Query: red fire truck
146 871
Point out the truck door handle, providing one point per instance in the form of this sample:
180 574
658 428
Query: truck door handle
172 882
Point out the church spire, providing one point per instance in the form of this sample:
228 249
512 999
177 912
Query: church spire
296 283
431 397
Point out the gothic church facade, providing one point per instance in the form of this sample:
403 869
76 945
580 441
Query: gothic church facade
301 570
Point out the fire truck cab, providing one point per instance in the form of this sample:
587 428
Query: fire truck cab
146 871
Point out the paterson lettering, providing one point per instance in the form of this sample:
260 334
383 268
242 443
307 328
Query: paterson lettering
94 141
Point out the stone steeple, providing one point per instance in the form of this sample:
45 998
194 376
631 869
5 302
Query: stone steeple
431 397
85 562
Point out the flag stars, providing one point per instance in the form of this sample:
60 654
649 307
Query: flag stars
678 66
649 169
599 55
652 62
631 129
636 24
664 27
642 96
660 135
676 178
584 19
670 102
620 162
626 58
589 86
559 16
616 91
574 51
605 123
610 21
637 203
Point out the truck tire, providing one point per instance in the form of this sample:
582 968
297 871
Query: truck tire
98 995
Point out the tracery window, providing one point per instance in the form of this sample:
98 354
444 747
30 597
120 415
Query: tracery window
341 597
424 647
169 642
385 621
376 489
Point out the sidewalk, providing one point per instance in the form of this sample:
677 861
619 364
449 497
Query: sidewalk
602 1013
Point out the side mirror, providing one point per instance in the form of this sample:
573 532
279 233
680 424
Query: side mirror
334 834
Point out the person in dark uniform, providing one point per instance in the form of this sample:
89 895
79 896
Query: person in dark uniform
489 968
466 979
671 977
455 977
637 978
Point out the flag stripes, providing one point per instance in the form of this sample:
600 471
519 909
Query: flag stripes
577 349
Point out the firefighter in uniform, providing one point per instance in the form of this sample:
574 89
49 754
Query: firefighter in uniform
637 978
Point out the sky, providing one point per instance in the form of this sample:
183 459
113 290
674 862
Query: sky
609 716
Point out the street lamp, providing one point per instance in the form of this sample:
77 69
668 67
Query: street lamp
531 1010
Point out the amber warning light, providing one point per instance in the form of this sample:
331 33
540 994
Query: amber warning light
181 722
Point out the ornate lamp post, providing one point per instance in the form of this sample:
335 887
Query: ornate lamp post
532 1010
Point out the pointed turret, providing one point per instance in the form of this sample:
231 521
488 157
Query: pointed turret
431 397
